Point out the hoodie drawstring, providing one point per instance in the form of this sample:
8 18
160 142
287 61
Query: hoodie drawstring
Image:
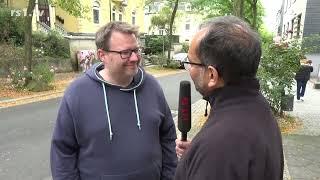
206 111
107 110
108 114
137 110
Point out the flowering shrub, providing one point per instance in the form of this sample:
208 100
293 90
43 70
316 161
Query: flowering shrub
277 70
39 79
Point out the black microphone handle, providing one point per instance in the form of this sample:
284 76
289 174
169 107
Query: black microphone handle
183 136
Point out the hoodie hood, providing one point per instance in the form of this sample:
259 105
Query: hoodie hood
138 79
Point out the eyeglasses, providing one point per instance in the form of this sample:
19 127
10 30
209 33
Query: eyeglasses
126 54
187 64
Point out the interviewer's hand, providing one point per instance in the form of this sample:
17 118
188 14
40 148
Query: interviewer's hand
181 147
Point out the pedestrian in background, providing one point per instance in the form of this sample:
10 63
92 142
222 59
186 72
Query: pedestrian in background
302 77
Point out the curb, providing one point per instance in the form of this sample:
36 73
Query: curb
29 97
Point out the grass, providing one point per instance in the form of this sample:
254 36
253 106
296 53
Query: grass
288 124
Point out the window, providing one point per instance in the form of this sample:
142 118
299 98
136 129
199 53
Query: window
291 30
120 13
96 12
113 14
298 25
161 31
133 18
120 17
188 7
187 25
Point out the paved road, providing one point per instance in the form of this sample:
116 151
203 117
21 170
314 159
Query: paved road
170 85
25 133
302 147
315 62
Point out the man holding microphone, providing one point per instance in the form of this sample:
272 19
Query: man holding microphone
241 139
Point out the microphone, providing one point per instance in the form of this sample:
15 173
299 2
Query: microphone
184 109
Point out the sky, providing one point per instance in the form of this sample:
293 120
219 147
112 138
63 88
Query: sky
271 9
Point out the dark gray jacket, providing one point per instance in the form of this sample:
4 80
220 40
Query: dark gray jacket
239 141
304 73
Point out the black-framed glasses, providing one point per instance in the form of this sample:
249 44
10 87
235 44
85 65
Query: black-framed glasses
126 54
187 64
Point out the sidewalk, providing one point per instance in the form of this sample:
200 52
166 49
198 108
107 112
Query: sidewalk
302 147
6 102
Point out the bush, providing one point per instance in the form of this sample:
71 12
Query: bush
11 57
158 60
277 70
185 47
155 44
52 44
312 43
173 65
42 77
11 27
58 64
39 79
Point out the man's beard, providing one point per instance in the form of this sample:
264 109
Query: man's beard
198 83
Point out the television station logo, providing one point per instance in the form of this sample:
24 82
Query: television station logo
23 12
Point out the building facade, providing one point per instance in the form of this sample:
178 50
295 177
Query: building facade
185 24
48 17
299 18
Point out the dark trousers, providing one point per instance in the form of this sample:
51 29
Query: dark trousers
301 88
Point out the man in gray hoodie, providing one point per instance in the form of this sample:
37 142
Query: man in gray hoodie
114 122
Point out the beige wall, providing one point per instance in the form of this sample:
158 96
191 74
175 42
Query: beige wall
86 24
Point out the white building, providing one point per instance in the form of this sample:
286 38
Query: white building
299 18
186 21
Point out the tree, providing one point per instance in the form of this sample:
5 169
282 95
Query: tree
238 7
162 19
249 10
173 15
163 22
254 7
73 7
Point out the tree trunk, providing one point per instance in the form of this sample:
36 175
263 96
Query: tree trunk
238 6
173 15
28 36
254 8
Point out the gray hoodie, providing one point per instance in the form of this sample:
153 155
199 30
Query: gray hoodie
107 132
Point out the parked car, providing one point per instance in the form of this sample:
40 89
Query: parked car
180 57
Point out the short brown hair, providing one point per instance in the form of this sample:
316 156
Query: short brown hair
104 33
